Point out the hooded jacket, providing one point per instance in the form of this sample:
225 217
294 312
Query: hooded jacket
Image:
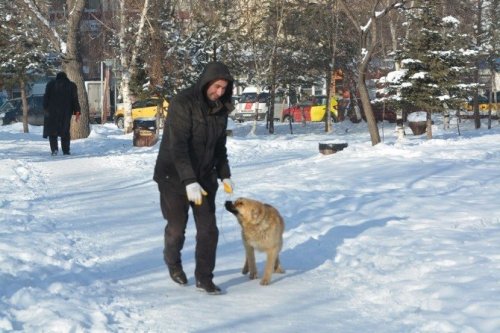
193 145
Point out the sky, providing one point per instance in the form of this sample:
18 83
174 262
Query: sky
403 236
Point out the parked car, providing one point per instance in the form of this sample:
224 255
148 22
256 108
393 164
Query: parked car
312 109
484 103
145 108
251 104
384 112
280 104
11 110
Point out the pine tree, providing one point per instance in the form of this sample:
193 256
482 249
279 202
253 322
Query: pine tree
433 61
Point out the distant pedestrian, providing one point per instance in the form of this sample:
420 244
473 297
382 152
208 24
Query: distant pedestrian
192 156
60 103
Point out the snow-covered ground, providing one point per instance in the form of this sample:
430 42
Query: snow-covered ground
397 237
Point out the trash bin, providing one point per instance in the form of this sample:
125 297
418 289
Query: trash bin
417 121
418 127
145 132
331 148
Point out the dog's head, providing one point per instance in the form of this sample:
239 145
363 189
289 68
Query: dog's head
246 210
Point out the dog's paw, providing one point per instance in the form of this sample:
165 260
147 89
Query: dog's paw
265 282
252 275
279 270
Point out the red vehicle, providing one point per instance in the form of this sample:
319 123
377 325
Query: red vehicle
313 109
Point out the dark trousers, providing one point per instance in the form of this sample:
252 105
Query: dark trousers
175 209
64 143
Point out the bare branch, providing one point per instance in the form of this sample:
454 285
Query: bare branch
58 42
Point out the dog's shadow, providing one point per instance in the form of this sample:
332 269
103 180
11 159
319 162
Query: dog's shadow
243 278
233 281
315 251
310 254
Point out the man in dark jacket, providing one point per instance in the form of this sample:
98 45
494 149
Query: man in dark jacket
191 157
60 102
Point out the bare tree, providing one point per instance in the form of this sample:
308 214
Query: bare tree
67 47
276 33
368 36
128 58
24 51
253 34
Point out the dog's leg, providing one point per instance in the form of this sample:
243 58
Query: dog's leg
277 266
250 265
244 271
272 256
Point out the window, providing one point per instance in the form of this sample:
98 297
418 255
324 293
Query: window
248 98
94 4
263 97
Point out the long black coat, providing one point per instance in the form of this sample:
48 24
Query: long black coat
193 146
60 102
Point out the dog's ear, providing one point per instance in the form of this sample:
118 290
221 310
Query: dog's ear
255 212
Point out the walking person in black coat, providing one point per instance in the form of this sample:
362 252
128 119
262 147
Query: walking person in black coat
191 157
60 102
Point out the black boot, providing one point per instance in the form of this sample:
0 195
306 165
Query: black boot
178 276
209 287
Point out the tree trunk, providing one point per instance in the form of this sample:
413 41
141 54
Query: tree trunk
272 97
73 67
362 88
80 129
429 125
24 100
158 47
479 42
475 103
400 129
446 124
367 107
329 95
492 97
495 98
270 112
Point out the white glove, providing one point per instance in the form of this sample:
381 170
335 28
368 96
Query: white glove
228 185
195 193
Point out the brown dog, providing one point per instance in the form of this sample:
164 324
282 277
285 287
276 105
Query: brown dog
261 228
